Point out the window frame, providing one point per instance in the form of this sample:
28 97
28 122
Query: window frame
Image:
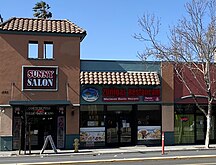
48 52
33 46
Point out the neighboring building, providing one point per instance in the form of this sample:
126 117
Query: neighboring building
39 87
122 104
190 122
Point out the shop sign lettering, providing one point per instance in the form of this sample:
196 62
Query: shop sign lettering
151 98
39 111
130 94
119 99
39 78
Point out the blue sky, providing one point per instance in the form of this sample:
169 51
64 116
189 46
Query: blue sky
110 24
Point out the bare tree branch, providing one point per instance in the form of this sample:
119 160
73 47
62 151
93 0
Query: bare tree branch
191 45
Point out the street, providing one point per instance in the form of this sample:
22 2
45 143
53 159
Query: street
172 157
203 161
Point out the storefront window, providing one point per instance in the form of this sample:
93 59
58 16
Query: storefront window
200 132
91 116
190 124
149 124
92 128
149 115
184 128
212 133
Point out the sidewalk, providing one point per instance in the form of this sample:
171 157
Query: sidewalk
132 149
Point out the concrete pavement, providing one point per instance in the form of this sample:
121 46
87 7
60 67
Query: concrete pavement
131 149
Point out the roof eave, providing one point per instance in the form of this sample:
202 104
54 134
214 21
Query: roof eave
81 35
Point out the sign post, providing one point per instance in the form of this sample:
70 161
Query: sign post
50 139
162 142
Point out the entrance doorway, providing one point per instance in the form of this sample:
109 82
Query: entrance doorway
200 129
118 127
32 124
39 127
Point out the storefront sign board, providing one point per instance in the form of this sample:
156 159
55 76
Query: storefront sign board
96 94
43 78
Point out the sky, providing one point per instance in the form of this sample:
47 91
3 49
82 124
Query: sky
110 24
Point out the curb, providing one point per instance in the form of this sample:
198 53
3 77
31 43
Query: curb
92 152
119 160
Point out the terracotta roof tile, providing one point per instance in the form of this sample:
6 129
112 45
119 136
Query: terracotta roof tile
120 78
41 25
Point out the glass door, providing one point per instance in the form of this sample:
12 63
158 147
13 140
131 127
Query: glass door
112 130
118 128
200 129
125 127
39 127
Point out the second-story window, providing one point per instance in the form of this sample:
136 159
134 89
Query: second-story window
48 50
33 49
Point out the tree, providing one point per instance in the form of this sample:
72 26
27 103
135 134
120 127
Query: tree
190 48
1 19
41 10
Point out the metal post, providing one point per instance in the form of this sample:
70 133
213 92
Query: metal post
162 143
67 90
29 136
25 146
12 90
20 136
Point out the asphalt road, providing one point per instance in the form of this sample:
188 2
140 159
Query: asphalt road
202 161
174 157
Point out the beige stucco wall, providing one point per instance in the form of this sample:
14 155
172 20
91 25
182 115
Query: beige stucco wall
167 83
5 121
14 54
72 120
168 118
167 97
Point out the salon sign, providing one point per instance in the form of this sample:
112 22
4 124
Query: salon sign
41 78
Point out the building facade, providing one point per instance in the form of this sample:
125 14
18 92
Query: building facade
190 122
122 104
39 87
45 89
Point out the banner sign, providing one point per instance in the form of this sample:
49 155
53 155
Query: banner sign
43 78
92 134
60 132
149 133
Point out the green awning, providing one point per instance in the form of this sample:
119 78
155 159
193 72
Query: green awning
40 102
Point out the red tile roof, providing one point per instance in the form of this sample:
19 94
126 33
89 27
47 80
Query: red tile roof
120 78
41 25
